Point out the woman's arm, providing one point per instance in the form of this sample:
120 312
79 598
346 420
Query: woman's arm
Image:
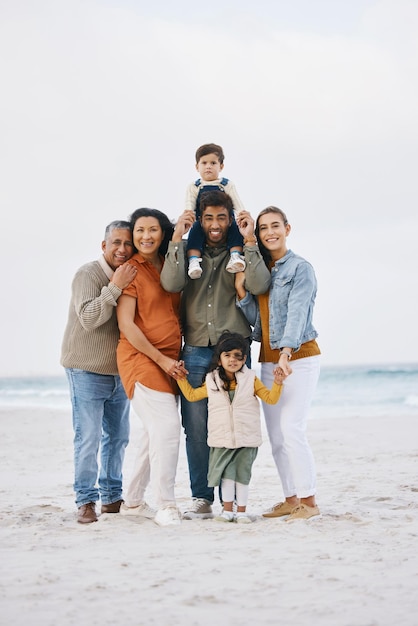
126 320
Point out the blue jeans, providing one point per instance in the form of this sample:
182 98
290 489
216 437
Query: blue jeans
195 421
100 418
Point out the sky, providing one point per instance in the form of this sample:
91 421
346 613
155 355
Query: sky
315 103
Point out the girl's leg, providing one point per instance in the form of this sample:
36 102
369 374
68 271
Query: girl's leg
228 495
241 494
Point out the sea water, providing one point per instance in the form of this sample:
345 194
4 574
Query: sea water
342 391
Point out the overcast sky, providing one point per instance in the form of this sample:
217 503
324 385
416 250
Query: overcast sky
103 104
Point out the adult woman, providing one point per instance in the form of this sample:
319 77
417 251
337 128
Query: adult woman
284 326
147 354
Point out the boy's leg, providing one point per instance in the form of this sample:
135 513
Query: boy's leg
194 247
235 245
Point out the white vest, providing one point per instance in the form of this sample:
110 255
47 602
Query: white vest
233 424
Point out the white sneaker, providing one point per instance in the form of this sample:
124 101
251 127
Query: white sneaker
169 516
225 516
195 271
236 263
243 518
142 510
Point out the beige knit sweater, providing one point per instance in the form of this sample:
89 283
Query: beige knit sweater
92 333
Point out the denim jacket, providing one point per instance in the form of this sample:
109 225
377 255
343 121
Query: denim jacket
291 302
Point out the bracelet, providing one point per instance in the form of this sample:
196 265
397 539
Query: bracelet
252 241
289 356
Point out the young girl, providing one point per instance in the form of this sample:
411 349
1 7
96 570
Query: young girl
234 430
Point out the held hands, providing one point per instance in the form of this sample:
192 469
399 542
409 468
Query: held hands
282 370
184 224
123 275
175 369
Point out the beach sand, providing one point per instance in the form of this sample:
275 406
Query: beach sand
356 565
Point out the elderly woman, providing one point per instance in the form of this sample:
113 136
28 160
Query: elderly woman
147 357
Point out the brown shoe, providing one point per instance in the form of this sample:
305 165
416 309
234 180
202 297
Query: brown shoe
87 513
113 507
280 509
303 511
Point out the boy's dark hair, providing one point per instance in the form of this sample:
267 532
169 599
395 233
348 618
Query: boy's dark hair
228 341
216 198
166 226
210 148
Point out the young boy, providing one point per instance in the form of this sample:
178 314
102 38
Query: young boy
209 164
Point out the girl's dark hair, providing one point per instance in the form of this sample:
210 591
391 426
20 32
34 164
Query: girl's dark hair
227 341
270 209
166 226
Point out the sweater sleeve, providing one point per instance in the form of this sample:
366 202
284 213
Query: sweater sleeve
269 396
191 197
236 200
192 394
94 302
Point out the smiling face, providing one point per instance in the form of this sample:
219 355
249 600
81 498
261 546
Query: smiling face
148 236
209 167
215 222
117 248
232 361
272 232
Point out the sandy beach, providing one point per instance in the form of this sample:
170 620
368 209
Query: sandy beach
356 565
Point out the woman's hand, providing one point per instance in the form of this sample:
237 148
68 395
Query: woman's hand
283 365
175 369
279 375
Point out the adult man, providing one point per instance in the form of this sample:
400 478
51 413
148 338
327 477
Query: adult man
100 407
208 309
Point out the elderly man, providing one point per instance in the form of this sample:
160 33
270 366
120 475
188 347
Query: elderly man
100 408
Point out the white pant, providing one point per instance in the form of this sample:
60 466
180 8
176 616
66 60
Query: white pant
158 449
286 424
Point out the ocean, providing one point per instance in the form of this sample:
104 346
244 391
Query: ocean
343 391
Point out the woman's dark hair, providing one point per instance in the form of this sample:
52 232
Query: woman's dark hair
227 341
166 226
270 209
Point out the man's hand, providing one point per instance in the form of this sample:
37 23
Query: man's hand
246 225
184 224
124 275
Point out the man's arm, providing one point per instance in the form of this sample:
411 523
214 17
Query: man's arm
94 302
173 276
257 274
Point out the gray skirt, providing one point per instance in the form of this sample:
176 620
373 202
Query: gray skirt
235 464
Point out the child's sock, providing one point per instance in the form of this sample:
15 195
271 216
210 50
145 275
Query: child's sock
236 263
195 271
